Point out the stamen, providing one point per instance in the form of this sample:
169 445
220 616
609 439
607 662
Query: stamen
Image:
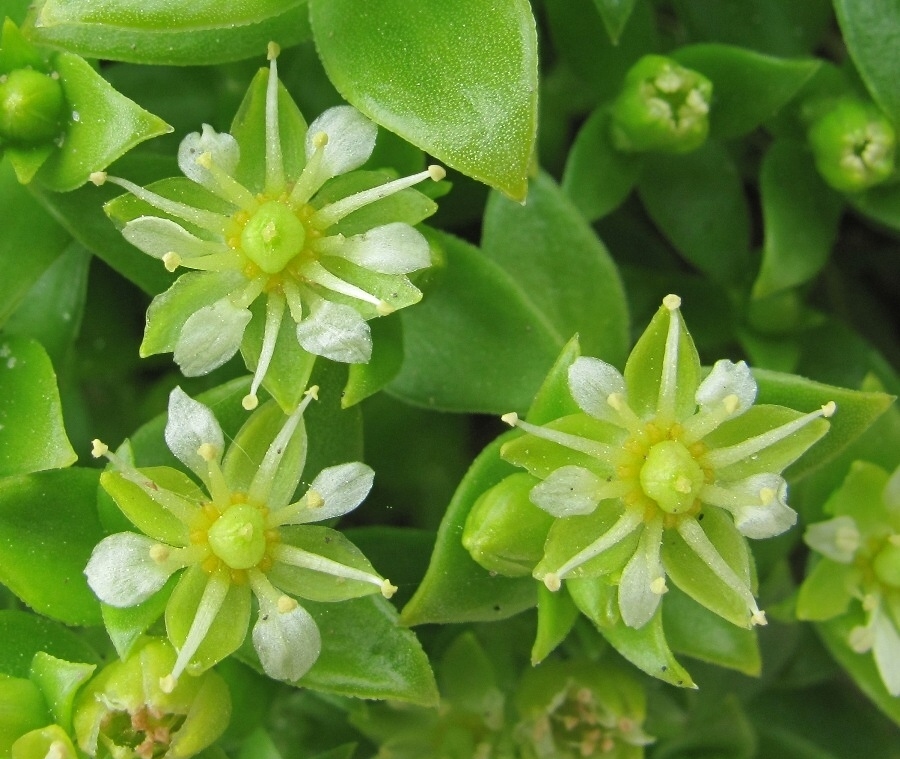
208 220
218 488
210 603
286 604
311 178
57 750
315 272
627 524
229 189
249 294
722 457
669 379
160 553
224 260
98 448
333 213
274 312
631 421
171 260
658 586
297 557
294 301
709 419
700 544
259 489
388 590
574 442
274 165
286 515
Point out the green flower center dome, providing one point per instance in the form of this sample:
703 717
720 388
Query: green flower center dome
238 537
273 236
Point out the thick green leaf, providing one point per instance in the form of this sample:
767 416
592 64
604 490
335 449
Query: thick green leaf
615 14
559 265
748 87
475 343
32 436
164 32
800 218
25 226
871 30
881 204
455 588
48 528
452 78
855 412
598 177
24 634
367 654
697 201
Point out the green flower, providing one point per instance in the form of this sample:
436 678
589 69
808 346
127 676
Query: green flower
663 475
240 536
853 144
272 212
860 566
662 107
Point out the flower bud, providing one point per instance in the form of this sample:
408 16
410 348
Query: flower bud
31 107
124 711
505 532
22 708
662 107
853 145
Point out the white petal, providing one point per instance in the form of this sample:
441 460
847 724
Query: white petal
390 249
591 382
838 538
288 642
121 571
223 150
638 596
761 510
210 337
726 379
342 488
351 139
190 424
567 492
157 237
337 332
886 649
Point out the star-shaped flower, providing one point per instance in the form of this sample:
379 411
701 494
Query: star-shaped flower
274 211
664 475
239 536
860 566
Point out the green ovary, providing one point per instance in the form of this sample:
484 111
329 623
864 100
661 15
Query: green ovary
671 477
238 537
886 565
273 236
31 107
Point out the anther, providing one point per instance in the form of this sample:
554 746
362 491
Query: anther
57 750
159 553
387 590
672 302
314 500
168 683
320 140
828 409
207 452
552 581
98 177
511 418
313 392
171 260
767 495
250 401
286 604
272 51
759 618
731 403
437 173
658 586
98 448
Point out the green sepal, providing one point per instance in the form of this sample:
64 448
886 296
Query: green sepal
228 629
48 528
32 436
249 447
615 14
364 380
571 535
554 400
27 160
59 681
127 625
24 709
455 588
505 532
556 615
321 586
17 52
643 370
24 634
394 289
39 743
646 647
827 590
145 513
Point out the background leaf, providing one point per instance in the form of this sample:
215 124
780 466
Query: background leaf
24 634
449 77
615 14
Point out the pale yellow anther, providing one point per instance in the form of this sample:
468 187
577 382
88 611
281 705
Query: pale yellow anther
828 409
320 140
207 452
759 619
250 401
552 581
98 177
313 392
168 683
98 448
57 750
658 586
615 401
204 160
314 500
512 418
683 485
731 403
437 173
767 495
672 302
273 51
286 604
384 308
860 639
387 590
171 260
160 553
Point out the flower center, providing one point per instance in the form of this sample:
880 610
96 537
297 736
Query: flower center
238 537
273 236
147 732
671 476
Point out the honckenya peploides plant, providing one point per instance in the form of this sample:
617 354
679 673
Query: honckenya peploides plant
663 475
259 218
244 536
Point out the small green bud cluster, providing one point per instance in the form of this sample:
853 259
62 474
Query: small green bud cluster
31 107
